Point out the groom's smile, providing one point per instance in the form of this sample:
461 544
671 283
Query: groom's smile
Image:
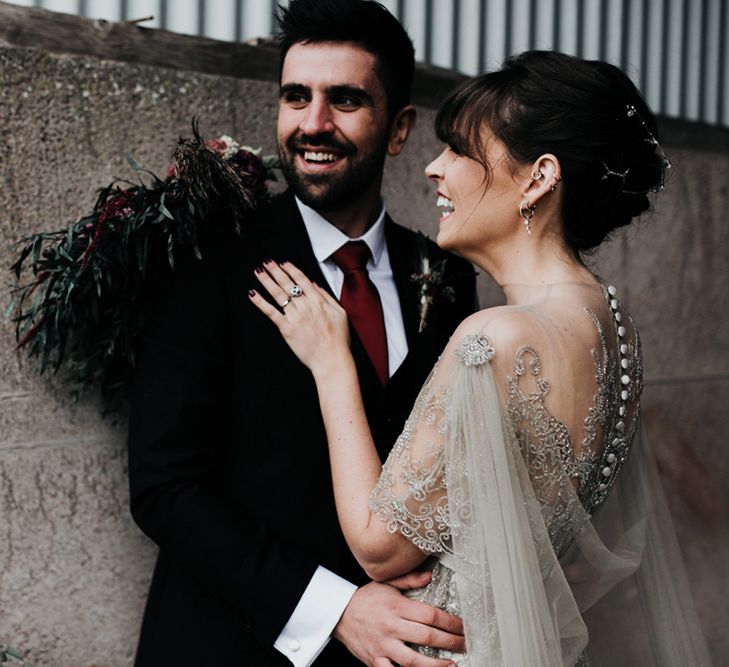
318 155
333 126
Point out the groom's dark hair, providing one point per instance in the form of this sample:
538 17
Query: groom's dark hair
364 22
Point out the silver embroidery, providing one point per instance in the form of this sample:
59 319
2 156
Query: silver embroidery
410 495
474 350
545 445
568 478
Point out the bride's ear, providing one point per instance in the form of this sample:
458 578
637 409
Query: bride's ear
545 175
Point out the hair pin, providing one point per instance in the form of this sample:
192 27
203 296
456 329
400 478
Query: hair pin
632 112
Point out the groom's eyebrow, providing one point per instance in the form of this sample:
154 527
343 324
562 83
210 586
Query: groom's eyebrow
351 90
339 90
295 89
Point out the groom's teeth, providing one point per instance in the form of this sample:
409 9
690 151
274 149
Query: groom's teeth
313 156
444 202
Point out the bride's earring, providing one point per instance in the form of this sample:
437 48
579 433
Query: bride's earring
526 211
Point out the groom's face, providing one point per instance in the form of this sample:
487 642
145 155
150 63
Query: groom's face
333 125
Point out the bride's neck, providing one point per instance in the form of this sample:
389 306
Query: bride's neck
533 261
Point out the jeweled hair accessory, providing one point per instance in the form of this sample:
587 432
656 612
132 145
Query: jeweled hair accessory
632 112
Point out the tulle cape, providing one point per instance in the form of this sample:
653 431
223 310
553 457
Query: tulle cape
557 561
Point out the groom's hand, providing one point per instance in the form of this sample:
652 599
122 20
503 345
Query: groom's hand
379 622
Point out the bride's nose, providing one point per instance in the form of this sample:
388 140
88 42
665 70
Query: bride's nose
434 171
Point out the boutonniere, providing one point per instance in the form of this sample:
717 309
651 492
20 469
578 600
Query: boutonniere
430 279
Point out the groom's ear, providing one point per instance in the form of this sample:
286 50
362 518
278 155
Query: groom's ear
402 125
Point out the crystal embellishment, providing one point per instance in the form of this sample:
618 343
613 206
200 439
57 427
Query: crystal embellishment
475 350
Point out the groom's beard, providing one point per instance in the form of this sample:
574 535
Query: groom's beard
332 191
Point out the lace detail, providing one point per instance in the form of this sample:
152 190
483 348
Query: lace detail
474 350
546 446
410 495
486 475
616 409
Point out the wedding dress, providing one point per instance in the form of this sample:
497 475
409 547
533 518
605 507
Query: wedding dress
523 470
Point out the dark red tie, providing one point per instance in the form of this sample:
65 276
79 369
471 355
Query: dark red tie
362 302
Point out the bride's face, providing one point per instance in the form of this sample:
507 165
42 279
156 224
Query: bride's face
477 208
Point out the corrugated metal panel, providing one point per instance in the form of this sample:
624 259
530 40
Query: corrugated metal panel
676 51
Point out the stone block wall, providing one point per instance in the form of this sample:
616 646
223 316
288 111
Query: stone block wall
73 566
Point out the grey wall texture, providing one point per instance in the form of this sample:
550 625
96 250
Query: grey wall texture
73 567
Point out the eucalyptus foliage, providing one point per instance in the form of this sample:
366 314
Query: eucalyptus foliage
87 300
7 653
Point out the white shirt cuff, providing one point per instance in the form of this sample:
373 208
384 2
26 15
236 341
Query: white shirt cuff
309 628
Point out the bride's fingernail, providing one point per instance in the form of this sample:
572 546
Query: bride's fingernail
258 269
251 292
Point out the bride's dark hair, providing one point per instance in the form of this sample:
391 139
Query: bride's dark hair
587 113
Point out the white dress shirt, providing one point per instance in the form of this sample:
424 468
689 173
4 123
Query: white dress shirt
309 628
326 239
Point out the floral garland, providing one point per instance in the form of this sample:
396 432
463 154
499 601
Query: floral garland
87 302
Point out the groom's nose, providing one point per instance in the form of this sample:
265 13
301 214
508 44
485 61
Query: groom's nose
318 118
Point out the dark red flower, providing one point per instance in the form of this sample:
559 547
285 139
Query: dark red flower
251 170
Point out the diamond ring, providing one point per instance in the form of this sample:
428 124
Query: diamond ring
285 303
295 291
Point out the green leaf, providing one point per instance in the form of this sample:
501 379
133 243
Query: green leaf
64 253
163 208
133 163
170 249
37 245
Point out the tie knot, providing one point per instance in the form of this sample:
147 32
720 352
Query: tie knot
352 256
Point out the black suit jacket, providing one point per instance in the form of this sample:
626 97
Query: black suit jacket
228 462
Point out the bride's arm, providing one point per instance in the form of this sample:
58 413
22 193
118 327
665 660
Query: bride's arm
316 328
356 467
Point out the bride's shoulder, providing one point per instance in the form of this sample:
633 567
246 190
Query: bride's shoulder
501 324
502 328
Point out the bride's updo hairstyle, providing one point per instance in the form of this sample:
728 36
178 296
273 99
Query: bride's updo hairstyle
587 113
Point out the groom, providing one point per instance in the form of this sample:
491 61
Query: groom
228 463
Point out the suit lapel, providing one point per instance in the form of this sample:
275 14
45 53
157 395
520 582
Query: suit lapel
402 253
286 239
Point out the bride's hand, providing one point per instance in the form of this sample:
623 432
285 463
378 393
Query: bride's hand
311 321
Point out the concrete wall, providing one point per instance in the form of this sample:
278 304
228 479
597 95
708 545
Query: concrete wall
73 567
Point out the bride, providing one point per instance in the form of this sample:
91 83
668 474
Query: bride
521 477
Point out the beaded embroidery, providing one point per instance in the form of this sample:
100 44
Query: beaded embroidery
570 481
474 350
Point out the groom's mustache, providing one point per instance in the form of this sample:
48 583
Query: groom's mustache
322 142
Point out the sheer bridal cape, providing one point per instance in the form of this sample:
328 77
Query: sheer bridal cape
523 470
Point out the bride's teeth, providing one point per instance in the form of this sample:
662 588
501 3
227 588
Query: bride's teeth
444 202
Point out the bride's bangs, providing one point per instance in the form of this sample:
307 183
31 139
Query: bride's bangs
458 122
469 111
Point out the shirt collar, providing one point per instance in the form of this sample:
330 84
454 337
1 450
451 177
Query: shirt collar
326 239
